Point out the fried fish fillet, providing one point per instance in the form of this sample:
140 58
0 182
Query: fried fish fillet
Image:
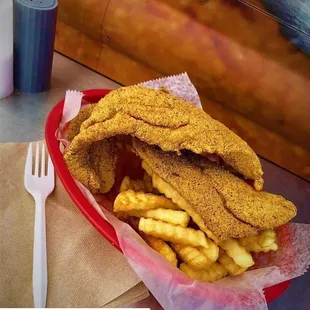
158 118
94 165
75 124
98 158
229 207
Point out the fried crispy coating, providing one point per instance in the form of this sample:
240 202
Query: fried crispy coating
257 208
198 191
238 253
228 206
138 111
229 264
169 216
173 233
162 248
171 193
191 256
214 273
130 201
94 166
75 124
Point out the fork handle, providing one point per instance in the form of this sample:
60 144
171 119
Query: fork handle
39 271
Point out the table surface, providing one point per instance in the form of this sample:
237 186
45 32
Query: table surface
22 119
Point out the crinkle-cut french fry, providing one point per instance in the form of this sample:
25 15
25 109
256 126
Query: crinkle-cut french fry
237 252
248 240
255 244
136 185
157 244
172 194
148 180
214 273
130 200
266 238
169 216
256 248
212 253
173 233
162 248
191 256
232 268
147 168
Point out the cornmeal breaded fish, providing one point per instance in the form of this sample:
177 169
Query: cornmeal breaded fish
94 165
229 207
158 118
75 124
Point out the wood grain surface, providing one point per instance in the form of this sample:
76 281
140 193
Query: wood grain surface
248 75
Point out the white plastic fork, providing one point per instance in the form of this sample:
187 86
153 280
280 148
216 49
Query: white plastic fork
39 186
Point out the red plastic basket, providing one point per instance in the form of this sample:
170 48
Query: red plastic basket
106 230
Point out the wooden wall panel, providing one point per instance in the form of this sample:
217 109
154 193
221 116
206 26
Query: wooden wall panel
77 45
84 15
100 57
225 71
265 142
247 26
263 99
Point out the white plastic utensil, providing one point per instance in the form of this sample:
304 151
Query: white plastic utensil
39 186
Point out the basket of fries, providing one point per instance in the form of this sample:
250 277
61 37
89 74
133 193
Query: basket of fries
178 193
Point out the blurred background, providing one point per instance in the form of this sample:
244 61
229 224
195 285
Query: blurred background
248 59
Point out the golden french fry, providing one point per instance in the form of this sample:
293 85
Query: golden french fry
135 185
191 256
148 181
229 264
256 248
173 233
237 252
266 241
162 248
248 240
165 215
172 194
157 244
266 238
147 168
212 253
214 273
130 200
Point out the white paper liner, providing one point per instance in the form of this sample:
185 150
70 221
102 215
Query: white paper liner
178 85
169 285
